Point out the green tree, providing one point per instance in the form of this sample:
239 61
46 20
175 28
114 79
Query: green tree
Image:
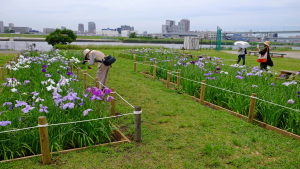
156 37
61 37
6 31
132 35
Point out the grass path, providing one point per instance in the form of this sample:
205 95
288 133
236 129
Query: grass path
177 132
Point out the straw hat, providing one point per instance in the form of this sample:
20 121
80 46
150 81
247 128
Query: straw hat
267 43
86 51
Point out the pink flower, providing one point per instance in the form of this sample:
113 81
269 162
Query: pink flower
291 101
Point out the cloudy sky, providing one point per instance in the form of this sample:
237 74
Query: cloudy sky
149 15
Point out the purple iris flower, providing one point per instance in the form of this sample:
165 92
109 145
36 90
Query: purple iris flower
10 108
218 68
4 123
272 84
35 93
26 81
27 109
240 77
110 97
70 105
20 118
239 73
210 73
216 72
7 103
207 77
44 66
56 95
206 74
58 72
85 112
43 108
32 103
70 73
298 92
4 84
81 104
56 101
214 78
193 62
43 70
47 75
85 95
20 103
107 90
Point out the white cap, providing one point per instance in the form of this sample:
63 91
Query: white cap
86 51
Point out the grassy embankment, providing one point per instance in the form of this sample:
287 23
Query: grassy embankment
177 133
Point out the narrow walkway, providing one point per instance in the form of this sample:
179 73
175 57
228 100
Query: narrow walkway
294 55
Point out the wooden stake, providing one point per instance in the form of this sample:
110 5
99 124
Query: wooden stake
168 78
97 82
84 79
2 72
178 78
44 140
252 107
72 67
145 59
120 53
171 64
77 71
154 69
113 102
134 63
202 92
7 68
137 124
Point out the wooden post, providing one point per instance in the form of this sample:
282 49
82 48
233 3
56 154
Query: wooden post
72 67
7 68
178 78
44 140
77 71
168 78
113 102
134 63
252 107
84 79
2 72
145 59
171 63
137 123
202 92
154 69
294 76
120 53
97 82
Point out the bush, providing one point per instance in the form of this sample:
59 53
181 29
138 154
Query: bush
132 35
61 37
156 37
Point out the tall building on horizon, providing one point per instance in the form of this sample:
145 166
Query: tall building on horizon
126 27
81 28
91 27
1 26
187 24
10 25
171 27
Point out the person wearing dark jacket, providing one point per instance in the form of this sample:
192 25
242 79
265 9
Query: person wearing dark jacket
263 65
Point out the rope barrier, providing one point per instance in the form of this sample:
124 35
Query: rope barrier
73 122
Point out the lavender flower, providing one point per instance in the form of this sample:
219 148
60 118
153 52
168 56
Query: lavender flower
32 103
20 118
85 112
58 72
7 103
27 109
110 97
26 81
47 75
20 103
81 104
10 108
272 84
44 66
43 108
70 105
35 93
43 70
254 86
107 90
240 77
291 101
213 78
4 123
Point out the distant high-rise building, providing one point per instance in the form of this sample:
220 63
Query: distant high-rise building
1 26
81 28
17 29
126 27
48 30
171 27
119 30
10 25
91 27
63 27
187 24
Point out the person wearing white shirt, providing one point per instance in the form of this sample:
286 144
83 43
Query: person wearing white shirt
242 52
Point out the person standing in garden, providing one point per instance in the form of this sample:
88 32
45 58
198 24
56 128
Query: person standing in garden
242 53
268 61
97 56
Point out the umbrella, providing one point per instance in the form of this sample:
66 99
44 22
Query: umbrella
242 44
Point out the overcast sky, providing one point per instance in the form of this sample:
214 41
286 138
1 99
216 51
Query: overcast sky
149 15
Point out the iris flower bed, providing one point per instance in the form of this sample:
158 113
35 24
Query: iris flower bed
43 85
244 80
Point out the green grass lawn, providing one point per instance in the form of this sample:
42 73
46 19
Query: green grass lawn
177 132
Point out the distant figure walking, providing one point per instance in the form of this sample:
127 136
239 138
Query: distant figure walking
264 63
242 54
33 47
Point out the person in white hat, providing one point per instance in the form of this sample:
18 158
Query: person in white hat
97 56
